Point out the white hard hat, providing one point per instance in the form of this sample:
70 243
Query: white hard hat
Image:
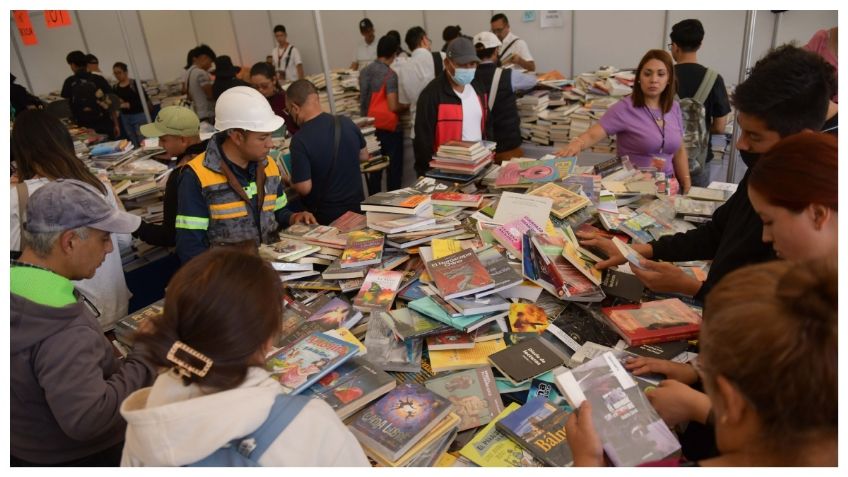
242 107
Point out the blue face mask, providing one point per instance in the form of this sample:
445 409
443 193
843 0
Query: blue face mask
464 76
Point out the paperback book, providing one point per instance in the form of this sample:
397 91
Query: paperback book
473 393
654 321
351 386
527 318
565 202
539 427
490 448
378 290
460 274
364 247
475 357
526 360
303 363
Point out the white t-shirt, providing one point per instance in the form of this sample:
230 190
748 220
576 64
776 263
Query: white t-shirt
472 114
279 59
365 54
519 47
413 75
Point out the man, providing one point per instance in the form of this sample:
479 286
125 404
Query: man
232 194
503 125
67 384
514 51
178 131
326 178
366 52
686 37
21 99
372 79
786 93
452 107
88 95
199 83
286 58
422 67
93 66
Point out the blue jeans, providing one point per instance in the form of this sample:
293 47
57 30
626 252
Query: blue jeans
131 124
391 144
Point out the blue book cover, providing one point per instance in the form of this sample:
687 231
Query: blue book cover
539 427
427 307
304 362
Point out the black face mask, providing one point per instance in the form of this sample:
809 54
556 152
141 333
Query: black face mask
749 158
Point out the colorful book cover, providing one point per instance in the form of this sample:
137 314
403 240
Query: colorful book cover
428 307
526 173
527 318
473 393
549 392
509 234
378 290
444 247
412 291
456 198
364 247
632 256
335 314
450 340
399 199
351 386
399 419
298 366
348 222
571 253
465 358
344 334
490 448
459 274
539 426
565 201
654 321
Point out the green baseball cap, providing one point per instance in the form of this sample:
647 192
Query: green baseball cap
173 120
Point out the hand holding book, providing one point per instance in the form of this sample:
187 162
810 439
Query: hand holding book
664 277
586 447
682 372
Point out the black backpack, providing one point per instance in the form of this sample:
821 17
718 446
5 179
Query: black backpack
84 103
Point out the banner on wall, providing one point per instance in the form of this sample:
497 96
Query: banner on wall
25 27
57 18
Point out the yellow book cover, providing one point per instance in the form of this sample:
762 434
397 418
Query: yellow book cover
445 360
446 460
490 448
445 247
344 334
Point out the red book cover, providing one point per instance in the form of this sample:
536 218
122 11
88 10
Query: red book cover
460 274
654 322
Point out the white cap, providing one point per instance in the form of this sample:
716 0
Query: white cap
245 108
487 38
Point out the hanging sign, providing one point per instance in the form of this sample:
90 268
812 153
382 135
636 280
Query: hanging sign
551 19
25 27
57 18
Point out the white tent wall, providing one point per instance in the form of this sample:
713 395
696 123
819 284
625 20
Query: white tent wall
618 38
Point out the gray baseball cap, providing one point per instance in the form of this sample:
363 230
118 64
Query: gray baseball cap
66 204
461 51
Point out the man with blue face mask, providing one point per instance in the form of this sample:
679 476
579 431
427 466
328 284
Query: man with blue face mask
452 107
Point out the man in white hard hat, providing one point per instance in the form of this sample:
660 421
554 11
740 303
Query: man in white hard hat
233 193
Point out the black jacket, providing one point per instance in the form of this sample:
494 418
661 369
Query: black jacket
503 125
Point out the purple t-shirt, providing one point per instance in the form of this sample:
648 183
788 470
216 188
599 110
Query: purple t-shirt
639 136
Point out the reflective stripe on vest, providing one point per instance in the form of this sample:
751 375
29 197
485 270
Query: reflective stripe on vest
191 223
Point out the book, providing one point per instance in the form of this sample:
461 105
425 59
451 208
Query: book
336 313
450 340
509 234
409 239
500 270
428 307
565 202
490 448
465 358
623 285
548 391
470 306
628 426
526 173
571 253
364 247
527 318
407 323
398 223
126 327
378 290
348 222
301 364
666 351
402 201
654 321
398 420
286 249
345 334
444 247
456 199
704 193
314 234
582 323
472 392
460 274
539 427
351 386
632 256
389 353
334 271
427 450
513 206
292 267
526 360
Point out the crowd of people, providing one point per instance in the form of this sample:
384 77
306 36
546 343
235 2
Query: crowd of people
771 289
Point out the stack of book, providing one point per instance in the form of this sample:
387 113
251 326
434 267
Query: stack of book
462 157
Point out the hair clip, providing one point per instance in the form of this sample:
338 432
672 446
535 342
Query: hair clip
185 369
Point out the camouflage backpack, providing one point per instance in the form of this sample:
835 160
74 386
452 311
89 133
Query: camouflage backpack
696 135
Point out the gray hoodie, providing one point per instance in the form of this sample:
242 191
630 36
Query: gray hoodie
66 383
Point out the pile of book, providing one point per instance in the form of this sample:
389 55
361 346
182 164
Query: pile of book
345 88
462 157
376 160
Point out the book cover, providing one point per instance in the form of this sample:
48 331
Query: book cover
666 351
509 234
526 360
583 323
623 285
407 323
351 386
632 256
539 427
337 313
512 206
630 429
473 393
413 291
548 391
490 448
499 269
527 318
465 358
286 249
565 202
459 274
378 290
526 173
315 234
399 419
450 340
402 201
364 247
456 199
299 365
572 254
654 321
126 327
334 271
348 222
398 223
428 307
345 334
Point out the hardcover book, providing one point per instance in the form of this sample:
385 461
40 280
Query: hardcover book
460 274
301 364
364 247
378 290
654 321
490 448
472 392
539 427
397 421
351 386
565 202
526 360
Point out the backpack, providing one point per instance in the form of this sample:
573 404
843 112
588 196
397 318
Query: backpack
246 451
696 136
84 103
437 63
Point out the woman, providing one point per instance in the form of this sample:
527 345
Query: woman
226 76
648 124
772 389
132 111
222 312
264 79
44 151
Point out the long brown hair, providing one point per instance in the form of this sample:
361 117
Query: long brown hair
800 170
667 96
225 304
42 146
771 330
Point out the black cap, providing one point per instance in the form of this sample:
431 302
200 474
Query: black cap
365 24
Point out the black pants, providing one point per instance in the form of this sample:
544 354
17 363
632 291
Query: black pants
110 457
391 144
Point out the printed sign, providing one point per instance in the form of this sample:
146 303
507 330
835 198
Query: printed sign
25 27
57 18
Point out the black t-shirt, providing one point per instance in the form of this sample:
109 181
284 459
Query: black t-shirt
312 156
97 79
128 94
689 77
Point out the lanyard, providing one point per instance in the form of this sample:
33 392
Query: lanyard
657 124
280 55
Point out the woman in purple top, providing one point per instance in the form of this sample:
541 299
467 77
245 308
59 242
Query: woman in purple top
648 124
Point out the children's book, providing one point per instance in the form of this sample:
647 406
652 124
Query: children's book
378 290
351 386
654 321
301 364
472 392
539 427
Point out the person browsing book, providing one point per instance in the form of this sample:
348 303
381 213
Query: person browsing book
648 124
262 78
515 50
222 313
